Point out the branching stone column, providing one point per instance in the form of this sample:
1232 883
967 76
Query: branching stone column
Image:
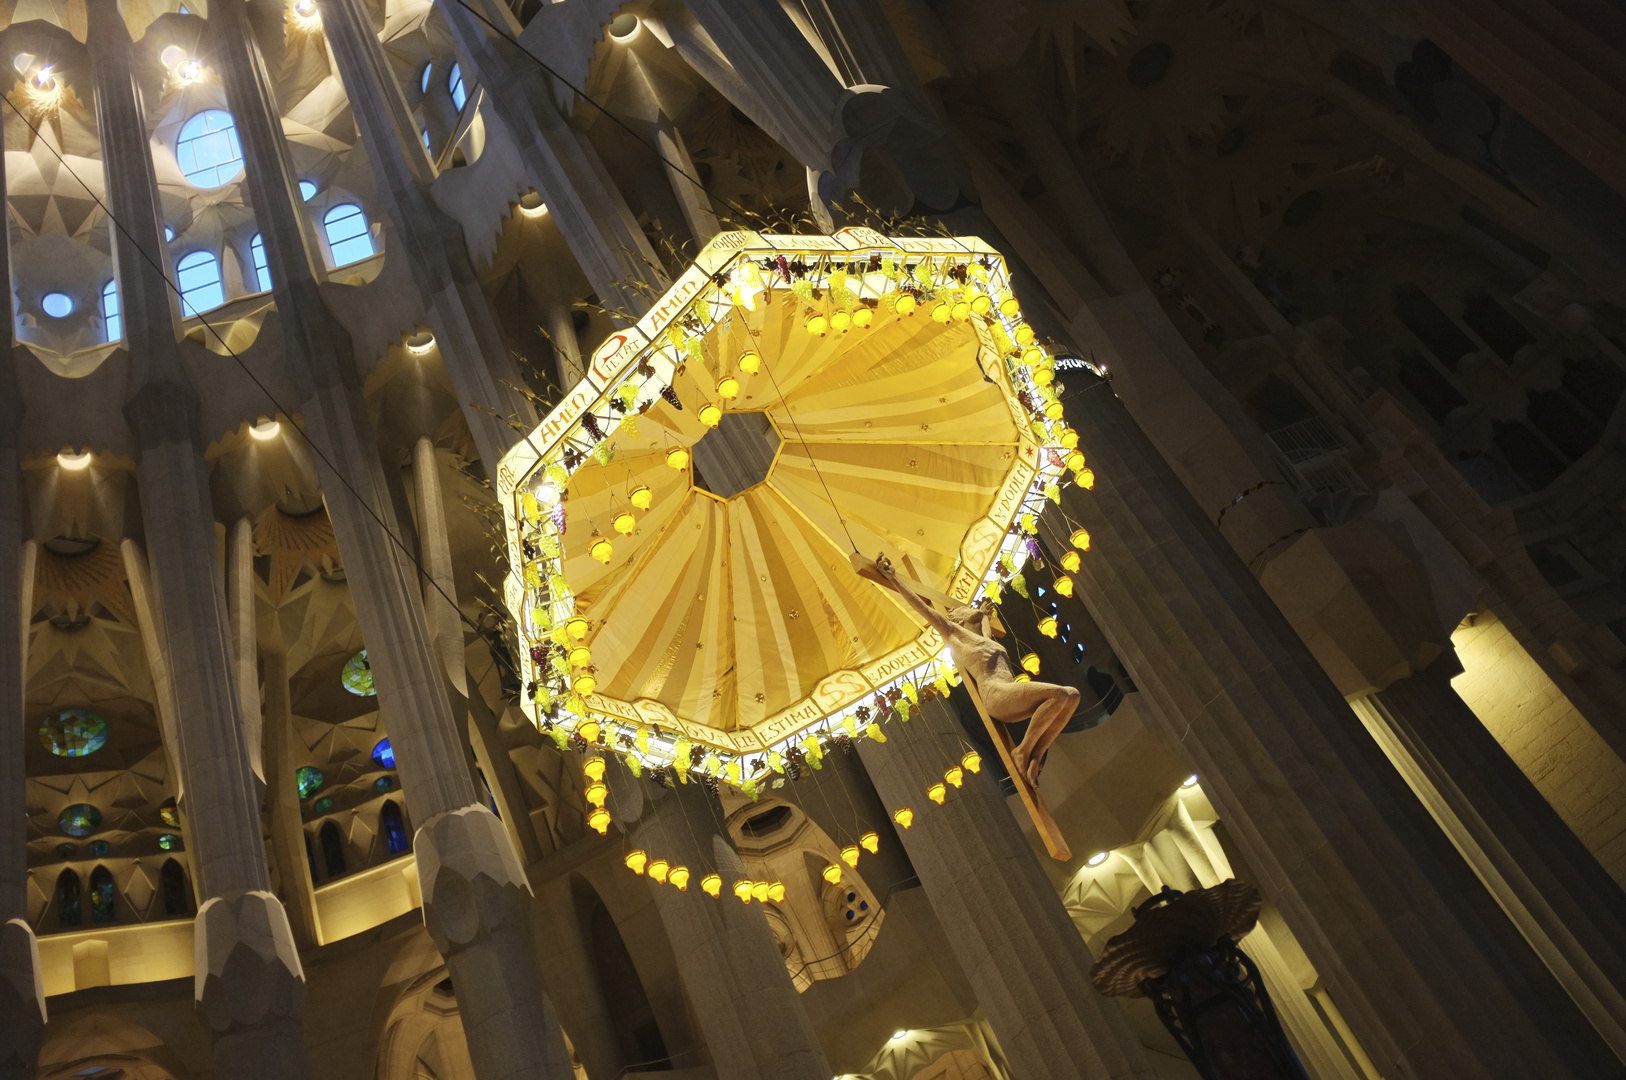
249 985
1431 975
1015 942
22 992
735 975
475 895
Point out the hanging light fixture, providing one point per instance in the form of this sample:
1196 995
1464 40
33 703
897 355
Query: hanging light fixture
1081 539
972 761
961 310
712 885
817 324
906 304
588 729
832 873
841 320
728 387
870 841
759 891
1030 663
942 312
749 362
602 550
981 303
576 627
1069 438
679 877
678 458
1071 562
1075 460
1047 626
659 869
636 860
595 793
1064 585
936 793
1086 479
1010 307
599 819
849 854
863 317
584 684
904 816
954 775
580 656
641 497
625 522
776 891
1023 334
710 415
742 889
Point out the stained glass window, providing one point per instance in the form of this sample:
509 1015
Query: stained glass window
332 850
395 834
67 851
384 753
73 733
97 848
309 779
322 805
101 895
79 820
67 899
357 677
169 813
169 842
384 783
172 879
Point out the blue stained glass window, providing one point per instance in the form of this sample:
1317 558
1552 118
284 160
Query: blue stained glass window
309 780
112 319
347 234
79 820
307 190
454 84
198 276
384 783
97 848
67 899
395 834
101 895
322 805
384 753
169 842
262 269
357 677
207 149
57 305
423 81
73 733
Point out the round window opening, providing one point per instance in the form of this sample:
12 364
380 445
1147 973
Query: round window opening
57 305
74 733
207 149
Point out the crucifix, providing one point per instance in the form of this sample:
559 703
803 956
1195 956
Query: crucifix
999 698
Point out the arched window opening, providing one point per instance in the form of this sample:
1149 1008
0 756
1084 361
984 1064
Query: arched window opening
172 880
67 899
347 234
262 269
423 80
332 850
307 190
198 275
112 320
207 149
454 84
395 832
101 895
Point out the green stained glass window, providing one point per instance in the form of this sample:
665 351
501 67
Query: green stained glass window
79 820
97 848
169 842
383 783
358 675
323 805
74 733
309 779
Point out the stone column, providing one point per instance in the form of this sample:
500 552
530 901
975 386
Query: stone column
1432 977
435 555
245 636
1013 938
738 987
475 895
691 197
249 984
22 993
282 805
156 647
589 210
567 350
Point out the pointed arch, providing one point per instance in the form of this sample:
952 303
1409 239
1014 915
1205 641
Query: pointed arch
177 894
394 827
101 895
332 850
68 911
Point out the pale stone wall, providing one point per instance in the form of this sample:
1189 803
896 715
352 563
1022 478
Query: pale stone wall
1549 739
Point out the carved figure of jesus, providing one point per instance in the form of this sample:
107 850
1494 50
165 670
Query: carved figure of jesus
985 661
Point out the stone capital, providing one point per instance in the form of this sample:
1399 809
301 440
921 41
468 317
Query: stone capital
471 879
248 972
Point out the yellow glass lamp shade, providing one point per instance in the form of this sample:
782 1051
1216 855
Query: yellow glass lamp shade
584 684
581 656
1047 626
1075 460
599 819
954 775
961 310
849 854
728 387
863 317
1023 335
841 321
588 729
936 793
1010 307
1030 663
659 869
1071 562
636 860
1053 410
904 816
678 458
710 415
1081 539
679 876
593 769
1069 438
776 891
641 497
1064 585
749 362
906 304
624 523
818 324
712 885
742 889
981 304
595 793
832 873
942 312
1021 676
1031 356
972 761
870 841
759 891
576 627
602 550
1086 479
